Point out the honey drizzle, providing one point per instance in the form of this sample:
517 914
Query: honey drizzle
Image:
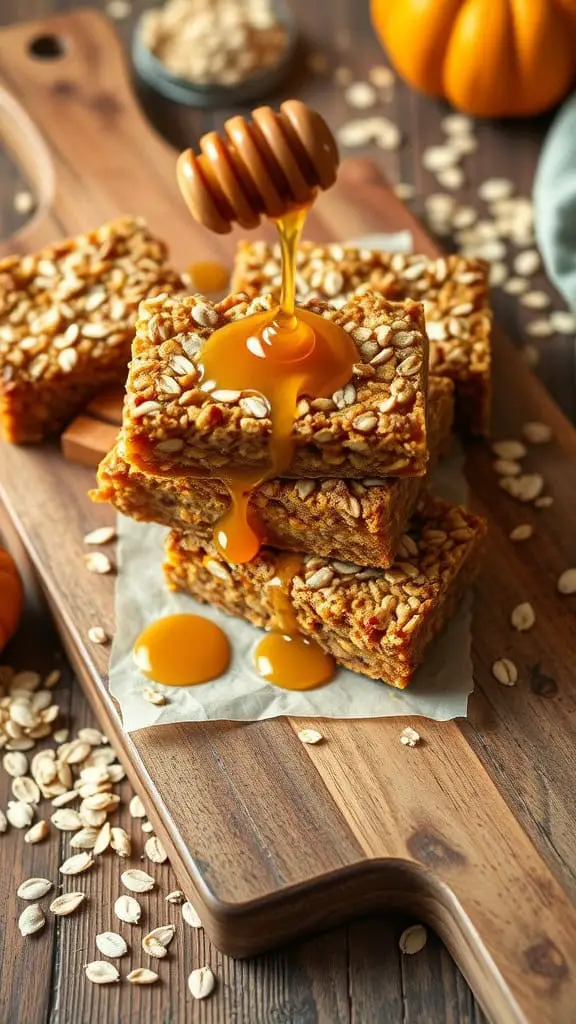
182 650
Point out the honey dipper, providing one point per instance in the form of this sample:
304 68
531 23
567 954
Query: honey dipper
263 168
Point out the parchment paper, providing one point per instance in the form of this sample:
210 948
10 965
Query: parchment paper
439 691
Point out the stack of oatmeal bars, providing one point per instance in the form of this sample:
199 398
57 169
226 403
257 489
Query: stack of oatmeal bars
383 563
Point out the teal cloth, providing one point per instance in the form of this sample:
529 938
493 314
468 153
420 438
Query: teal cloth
555 202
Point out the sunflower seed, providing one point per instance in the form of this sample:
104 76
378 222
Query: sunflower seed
34 888
155 851
509 450
136 807
158 939
98 562
154 696
494 189
539 329
67 903
505 467
523 617
505 671
66 820
413 939
522 532
127 909
537 433
310 736
31 920
100 972
15 763
515 286
527 263
111 944
84 839
142 976
201 982
103 839
37 833
438 158
360 95
101 802
190 916
26 790
535 300
176 896
567 582
409 737
137 881
97 635
77 863
563 321
4 823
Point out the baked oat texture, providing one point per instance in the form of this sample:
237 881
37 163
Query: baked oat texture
375 621
375 425
359 521
67 318
453 290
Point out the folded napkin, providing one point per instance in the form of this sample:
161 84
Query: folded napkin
555 202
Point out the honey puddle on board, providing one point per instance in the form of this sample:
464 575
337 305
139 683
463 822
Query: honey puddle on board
280 355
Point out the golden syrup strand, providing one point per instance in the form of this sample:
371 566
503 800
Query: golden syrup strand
290 229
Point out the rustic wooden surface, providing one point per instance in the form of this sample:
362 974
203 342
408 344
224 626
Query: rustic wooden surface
309 982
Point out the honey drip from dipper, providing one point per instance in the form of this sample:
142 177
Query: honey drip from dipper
273 167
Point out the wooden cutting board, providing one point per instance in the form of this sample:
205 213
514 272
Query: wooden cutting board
472 831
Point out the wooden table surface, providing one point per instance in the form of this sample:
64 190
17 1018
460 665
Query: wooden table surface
354 974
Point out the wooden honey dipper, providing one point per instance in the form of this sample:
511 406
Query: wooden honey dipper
265 168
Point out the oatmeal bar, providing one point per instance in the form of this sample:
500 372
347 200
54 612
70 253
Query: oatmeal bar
453 290
374 426
360 521
67 319
374 621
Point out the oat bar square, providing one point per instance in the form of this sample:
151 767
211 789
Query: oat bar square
374 426
67 318
375 621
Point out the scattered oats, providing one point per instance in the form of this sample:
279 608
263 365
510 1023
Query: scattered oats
544 502
567 582
451 178
61 735
343 75
463 144
84 839
563 321
97 562
360 95
190 915
413 939
527 263
535 300
142 976
147 826
526 487
494 189
101 802
31 920
409 737
127 909
24 202
157 941
111 944
155 851
382 77
537 433
15 763
94 818
37 833
26 790
66 820
464 217
19 815
512 450
120 842
404 191
65 798
438 158
457 124
363 131
176 896
523 617
539 329
154 696
67 903
506 467
497 274
4 823
103 839
505 671
97 635
100 972
25 681
118 10
522 532
137 809
34 888
201 982
76 864
137 881
515 286
101 535
317 63
310 736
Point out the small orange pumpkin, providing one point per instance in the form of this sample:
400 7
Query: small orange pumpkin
489 58
11 597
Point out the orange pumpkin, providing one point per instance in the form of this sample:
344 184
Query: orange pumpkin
11 597
489 58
